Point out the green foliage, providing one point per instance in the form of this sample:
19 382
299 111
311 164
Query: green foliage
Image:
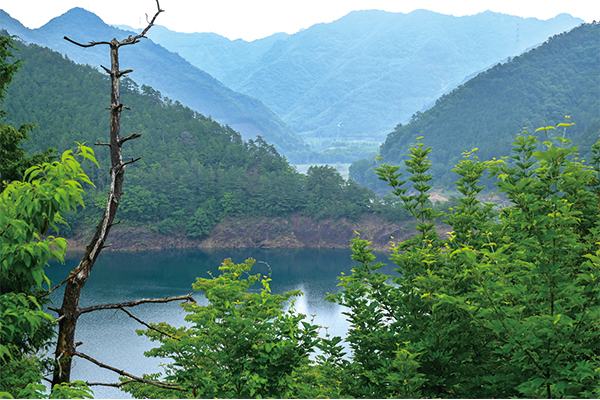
204 219
330 196
193 172
7 69
536 88
507 305
245 343
28 209
381 365
21 374
32 200
539 295
22 324
66 390
13 162
416 204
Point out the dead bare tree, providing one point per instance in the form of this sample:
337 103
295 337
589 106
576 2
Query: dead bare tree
69 312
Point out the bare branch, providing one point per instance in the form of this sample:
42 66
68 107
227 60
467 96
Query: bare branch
105 69
52 290
129 40
148 326
58 361
121 73
78 278
117 385
102 144
123 373
134 303
119 107
131 161
126 138
135 39
91 44
71 275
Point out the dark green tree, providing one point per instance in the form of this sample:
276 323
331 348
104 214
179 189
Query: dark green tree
13 161
27 209
506 306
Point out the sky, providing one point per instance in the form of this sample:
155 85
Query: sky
255 19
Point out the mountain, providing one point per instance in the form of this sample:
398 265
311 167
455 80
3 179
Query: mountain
163 70
357 77
536 89
193 173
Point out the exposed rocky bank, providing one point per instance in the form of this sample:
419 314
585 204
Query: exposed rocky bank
293 232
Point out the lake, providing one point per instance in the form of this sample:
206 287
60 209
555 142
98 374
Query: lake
109 336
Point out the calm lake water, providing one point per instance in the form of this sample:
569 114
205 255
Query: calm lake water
110 337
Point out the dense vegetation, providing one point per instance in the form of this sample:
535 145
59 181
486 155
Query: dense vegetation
357 77
316 80
33 195
193 171
506 306
164 71
535 89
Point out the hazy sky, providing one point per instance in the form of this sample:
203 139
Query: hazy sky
254 19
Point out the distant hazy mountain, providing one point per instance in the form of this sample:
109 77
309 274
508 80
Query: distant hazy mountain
165 71
538 88
359 76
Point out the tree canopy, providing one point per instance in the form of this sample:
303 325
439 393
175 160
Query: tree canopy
193 171
504 305
33 198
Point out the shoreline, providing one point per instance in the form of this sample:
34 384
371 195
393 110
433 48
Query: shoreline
258 232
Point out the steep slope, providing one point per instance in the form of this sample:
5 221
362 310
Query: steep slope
357 77
536 89
193 174
165 71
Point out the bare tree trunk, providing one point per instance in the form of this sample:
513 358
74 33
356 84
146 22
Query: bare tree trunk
70 311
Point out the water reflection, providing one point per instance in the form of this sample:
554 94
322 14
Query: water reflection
109 335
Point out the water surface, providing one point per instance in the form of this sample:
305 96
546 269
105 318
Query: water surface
109 336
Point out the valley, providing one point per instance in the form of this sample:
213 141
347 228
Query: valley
388 205
350 81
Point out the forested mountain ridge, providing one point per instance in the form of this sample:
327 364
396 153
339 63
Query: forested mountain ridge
453 320
536 89
193 174
165 71
357 77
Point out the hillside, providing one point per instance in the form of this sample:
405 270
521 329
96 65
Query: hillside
194 175
536 89
165 71
357 77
